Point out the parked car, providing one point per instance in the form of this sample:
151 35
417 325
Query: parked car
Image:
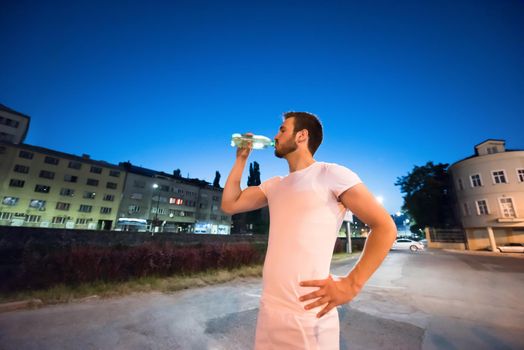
512 248
404 243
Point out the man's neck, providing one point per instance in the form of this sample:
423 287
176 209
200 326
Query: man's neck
297 161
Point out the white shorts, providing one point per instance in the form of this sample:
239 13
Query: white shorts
282 330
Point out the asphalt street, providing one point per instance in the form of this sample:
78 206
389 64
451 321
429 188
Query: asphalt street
423 300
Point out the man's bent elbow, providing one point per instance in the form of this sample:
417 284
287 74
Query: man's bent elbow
226 208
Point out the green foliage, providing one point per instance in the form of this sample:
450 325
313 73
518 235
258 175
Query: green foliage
216 181
254 175
427 196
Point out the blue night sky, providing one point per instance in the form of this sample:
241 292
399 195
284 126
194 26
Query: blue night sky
165 84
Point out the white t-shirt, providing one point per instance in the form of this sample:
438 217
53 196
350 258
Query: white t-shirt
305 216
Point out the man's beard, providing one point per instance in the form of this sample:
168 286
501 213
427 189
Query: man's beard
285 149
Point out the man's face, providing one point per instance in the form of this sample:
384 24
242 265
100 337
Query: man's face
285 139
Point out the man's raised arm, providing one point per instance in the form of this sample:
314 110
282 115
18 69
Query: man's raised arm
234 200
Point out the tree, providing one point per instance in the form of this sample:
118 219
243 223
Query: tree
216 182
177 173
257 220
427 196
254 174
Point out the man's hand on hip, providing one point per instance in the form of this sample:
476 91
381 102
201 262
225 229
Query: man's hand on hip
333 291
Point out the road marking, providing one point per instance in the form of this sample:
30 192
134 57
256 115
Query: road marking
252 295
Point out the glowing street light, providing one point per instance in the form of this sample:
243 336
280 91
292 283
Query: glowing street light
155 221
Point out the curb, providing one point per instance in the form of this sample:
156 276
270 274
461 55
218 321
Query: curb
486 253
20 305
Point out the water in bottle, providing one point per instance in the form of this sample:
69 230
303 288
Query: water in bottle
258 141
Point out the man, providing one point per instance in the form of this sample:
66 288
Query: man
299 297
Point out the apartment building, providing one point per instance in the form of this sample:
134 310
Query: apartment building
13 125
489 192
170 203
40 187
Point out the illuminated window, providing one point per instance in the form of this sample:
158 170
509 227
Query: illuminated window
11 201
42 188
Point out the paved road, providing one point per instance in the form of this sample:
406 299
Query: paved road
427 300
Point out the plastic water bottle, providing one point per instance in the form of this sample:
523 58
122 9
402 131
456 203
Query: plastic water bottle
258 141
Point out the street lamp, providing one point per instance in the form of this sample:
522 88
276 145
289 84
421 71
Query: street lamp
155 221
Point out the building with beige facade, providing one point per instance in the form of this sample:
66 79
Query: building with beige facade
13 125
40 187
489 192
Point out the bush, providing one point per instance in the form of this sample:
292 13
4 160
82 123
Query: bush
340 246
89 264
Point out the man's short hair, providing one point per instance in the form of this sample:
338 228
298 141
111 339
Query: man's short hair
311 123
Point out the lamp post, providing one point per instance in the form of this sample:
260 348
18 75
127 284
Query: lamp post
155 221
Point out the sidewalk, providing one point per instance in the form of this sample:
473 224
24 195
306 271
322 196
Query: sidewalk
484 253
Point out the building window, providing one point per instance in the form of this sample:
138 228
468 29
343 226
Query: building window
82 221
139 184
136 195
163 188
89 195
42 188
212 217
466 209
460 185
216 198
21 169
224 217
159 199
133 209
51 160
70 178
26 154
85 208
47 174
109 197
10 201
67 192
111 185
507 208
32 218
114 173
492 150
96 169
476 180
105 210
6 216
62 206
75 165
176 201
520 175
37 204
499 177
16 183
482 207
161 211
9 122
92 182
59 220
